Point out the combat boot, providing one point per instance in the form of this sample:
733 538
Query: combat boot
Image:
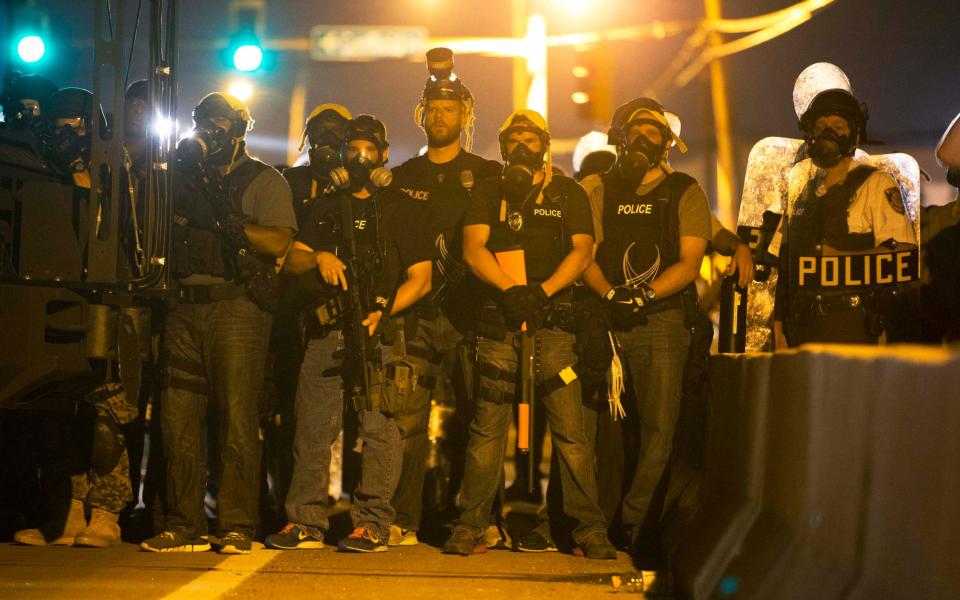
54 532
102 532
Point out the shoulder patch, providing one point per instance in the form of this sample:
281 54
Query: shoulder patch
894 199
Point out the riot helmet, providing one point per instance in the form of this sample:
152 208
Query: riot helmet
221 144
638 154
25 98
363 165
522 162
324 131
70 114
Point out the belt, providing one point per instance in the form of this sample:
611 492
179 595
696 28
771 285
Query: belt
205 294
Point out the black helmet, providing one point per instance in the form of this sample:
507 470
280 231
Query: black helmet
225 106
443 83
366 127
836 102
34 87
137 89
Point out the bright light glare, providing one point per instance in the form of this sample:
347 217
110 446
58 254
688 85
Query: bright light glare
248 57
580 97
575 8
31 48
164 127
241 90
581 71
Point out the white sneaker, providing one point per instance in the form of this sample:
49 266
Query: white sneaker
402 537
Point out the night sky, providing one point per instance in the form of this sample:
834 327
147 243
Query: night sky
900 56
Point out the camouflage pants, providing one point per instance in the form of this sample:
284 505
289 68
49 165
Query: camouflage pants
111 491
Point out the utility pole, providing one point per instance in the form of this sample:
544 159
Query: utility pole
721 122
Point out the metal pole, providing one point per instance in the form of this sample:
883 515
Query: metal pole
520 80
721 120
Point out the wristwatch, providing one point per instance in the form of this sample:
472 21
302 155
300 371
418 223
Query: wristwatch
648 292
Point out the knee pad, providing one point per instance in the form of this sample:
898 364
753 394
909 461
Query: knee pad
108 445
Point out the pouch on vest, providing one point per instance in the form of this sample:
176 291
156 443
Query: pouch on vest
400 380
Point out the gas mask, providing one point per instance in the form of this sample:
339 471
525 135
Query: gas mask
522 163
828 147
634 160
205 142
68 149
324 155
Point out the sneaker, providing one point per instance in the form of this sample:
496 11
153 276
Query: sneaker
495 537
402 537
463 542
596 546
235 543
294 537
362 540
535 542
171 541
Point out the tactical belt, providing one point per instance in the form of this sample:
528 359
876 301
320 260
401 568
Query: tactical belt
205 294
425 354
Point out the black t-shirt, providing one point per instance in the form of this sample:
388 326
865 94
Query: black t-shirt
401 243
563 212
441 189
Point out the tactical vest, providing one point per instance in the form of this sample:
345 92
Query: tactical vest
306 189
641 233
543 234
815 222
201 251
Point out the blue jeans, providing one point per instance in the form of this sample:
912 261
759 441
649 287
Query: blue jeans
380 463
318 410
653 356
217 352
488 435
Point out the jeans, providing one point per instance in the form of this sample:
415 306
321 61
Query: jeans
318 411
488 435
217 352
380 463
653 356
434 337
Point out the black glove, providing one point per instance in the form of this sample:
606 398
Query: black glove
521 303
626 307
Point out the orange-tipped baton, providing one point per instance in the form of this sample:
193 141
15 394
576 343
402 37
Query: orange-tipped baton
513 263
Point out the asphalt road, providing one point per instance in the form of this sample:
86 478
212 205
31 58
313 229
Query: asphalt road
124 572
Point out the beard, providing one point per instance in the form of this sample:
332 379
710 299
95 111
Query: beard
439 136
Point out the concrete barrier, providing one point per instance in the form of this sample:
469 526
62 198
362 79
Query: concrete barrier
832 472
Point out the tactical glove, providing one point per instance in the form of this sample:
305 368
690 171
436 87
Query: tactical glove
521 303
626 307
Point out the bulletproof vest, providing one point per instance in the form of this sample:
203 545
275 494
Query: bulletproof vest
823 220
814 222
542 234
201 251
305 188
442 189
641 234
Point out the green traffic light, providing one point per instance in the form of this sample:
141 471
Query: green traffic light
31 48
247 57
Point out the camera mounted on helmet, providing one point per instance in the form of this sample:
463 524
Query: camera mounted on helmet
443 83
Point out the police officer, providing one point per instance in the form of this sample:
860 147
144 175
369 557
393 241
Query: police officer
652 226
323 132
441 180
940 232
392 267
99 475
843 208
24 100
547 217
233 218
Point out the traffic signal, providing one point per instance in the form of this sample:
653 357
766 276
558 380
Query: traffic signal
592 74
244 52
30 48
30 34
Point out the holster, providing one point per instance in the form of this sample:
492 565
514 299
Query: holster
491 324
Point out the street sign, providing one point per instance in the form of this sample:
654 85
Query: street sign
353 43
